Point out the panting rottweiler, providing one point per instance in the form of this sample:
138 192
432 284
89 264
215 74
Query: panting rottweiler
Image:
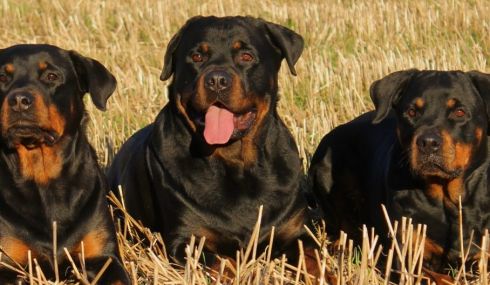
423 148
218 150
48 170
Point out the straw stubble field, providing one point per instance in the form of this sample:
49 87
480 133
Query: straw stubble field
349 44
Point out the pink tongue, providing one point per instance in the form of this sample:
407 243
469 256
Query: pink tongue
218 125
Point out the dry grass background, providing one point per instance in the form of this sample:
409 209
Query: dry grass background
348 45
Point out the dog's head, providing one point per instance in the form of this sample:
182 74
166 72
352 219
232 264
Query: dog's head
225 73
443 118
41 90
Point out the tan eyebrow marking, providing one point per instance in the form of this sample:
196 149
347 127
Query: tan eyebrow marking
205 47
10 68
237 45
450 103
419 102
42 65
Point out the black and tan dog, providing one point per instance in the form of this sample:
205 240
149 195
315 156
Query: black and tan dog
48 170
423 148
218 150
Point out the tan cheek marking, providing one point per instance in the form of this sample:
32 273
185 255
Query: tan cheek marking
16 249
201 99
447 149
478 135
237 94
419 102
450 103
249 148
10 68
49 117
414 153
94 244
56 120
4 116
40 109
462 153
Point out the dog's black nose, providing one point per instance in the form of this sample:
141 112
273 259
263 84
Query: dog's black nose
217 81
429 143
20 101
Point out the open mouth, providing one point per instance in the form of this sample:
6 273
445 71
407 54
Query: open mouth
30 135
221 125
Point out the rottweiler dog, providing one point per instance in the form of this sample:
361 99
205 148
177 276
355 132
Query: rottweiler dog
218 150
48 170
422 149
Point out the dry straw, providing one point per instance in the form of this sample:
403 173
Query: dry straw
148 263
348 45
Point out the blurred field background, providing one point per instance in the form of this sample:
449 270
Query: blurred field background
349 44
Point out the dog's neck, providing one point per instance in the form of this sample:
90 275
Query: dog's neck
446 191
43 164
241 153
50 175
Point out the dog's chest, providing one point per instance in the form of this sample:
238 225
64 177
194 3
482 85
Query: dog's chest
445 221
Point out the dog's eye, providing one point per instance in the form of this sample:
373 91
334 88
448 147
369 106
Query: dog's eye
411 113
197 57
459 112
4 78
246 57
52 76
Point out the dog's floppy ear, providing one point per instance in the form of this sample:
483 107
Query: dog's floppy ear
481 81
168 60
93 78
386 92
288 42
